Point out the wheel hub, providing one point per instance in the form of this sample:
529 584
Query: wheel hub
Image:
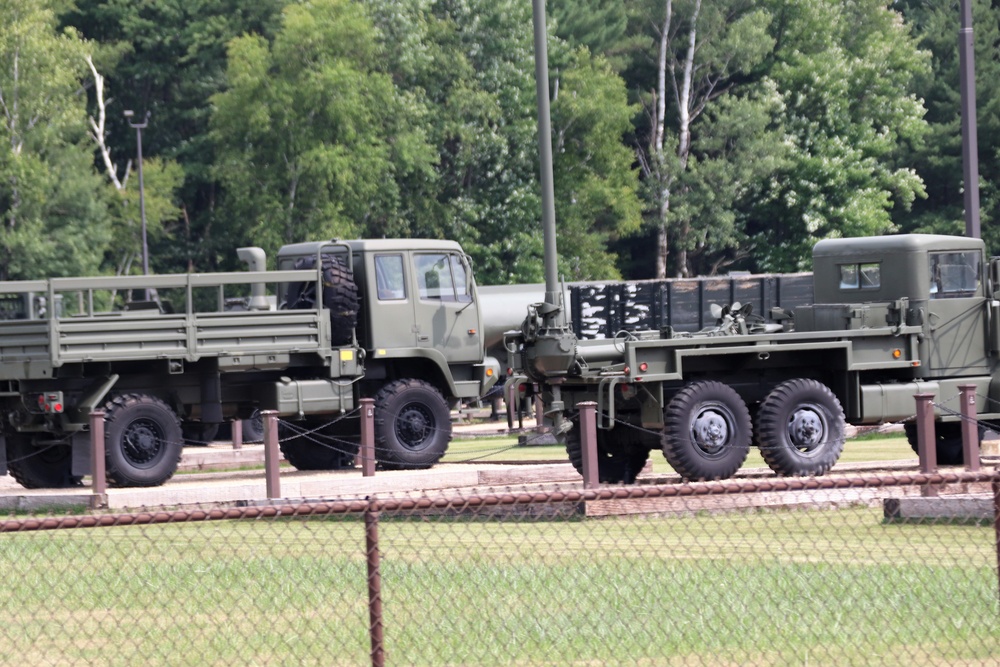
806 429
142 443
413 427
711 431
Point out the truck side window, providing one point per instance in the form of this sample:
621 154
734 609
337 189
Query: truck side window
442 277
954 274
860 276
389 281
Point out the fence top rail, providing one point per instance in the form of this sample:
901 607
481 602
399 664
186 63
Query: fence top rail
453 501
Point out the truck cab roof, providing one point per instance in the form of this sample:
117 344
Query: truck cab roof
371 245
886 268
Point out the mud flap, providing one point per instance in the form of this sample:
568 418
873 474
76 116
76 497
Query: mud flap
3 454
81 453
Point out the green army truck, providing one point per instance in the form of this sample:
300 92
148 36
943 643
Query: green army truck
395 320
892 316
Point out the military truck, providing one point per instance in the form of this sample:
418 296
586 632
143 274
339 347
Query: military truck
892 316
395 320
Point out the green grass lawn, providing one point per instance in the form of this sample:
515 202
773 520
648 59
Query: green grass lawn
763 588
874 447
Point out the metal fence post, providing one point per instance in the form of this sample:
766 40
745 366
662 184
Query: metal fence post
367 437
237 431
926 441
271 477
374 584
511 398
588 444
996 519
970 427
98 475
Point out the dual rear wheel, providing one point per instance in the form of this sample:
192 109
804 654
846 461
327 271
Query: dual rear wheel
708 432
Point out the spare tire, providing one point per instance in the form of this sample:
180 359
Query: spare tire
340 296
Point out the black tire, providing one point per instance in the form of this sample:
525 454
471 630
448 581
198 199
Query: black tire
325 445
199 434
142 440
947 437
800 428
253 428
412 425
340 296
40 466
707 431
621 452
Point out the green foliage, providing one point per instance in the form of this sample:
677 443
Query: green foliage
938 156
310 134
596 185
169 57
52 203
846 72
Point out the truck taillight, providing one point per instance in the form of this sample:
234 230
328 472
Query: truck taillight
51 402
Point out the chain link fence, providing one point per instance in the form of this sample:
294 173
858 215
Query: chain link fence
838 570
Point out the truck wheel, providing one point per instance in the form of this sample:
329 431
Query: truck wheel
800 428
40 467
199 434
707 431
324 446
412 425
340 296
143 441
621 453
948 438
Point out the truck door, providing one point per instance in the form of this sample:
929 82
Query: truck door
446 317
956 315
390 318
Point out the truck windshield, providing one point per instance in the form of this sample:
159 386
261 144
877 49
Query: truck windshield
954 274
441 276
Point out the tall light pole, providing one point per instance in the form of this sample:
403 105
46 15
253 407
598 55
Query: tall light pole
970 150
142 195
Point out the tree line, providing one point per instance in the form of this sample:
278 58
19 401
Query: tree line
690 136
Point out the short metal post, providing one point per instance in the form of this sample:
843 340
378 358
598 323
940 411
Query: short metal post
271 477
367 437
511 399
374 585
539 413
237 431
970 427
926 447
98 475
588 444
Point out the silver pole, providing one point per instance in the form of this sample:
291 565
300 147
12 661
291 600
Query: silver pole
545 154
970 145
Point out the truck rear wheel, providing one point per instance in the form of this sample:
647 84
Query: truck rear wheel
621 453
143 440
947 437
707 431
324 445
412 425
800 428
40 467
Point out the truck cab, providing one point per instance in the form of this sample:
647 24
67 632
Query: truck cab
937 282
419 313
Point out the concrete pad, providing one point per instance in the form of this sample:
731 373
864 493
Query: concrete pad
978 507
